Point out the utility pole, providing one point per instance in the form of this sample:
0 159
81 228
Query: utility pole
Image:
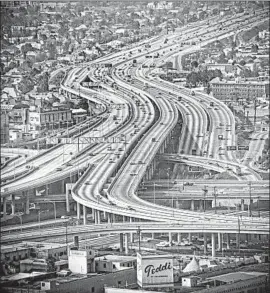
255 111
215 196
250 212
139 234
205 190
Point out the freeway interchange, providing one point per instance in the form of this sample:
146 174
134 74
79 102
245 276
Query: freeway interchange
139 114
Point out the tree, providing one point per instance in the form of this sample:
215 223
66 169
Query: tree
26 48
43 83
26 85
193 78
242 62
254 48
194 64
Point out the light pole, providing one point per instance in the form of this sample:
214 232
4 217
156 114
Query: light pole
258 206
19 215
215 196
250 213
54 208
205 190
40 212
139 234
154 192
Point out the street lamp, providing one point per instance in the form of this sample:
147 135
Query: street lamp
54 208
19 215
258 206
250 213
139 234
215 196
205 190
71 220
40 212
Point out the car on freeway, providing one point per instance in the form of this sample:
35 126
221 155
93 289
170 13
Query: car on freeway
130 208
188 183
58 169
163 244
64 217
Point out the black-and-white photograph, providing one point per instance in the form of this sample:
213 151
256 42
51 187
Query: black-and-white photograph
134 146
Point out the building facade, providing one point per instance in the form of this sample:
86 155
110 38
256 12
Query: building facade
45 119
235 90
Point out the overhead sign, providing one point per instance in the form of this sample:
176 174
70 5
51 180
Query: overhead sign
243 148
154 270
231 148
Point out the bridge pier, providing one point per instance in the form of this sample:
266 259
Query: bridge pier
228 241
109 218
192 205
204 243
242 204
67 199
121 242
12 204
201 205
78 210
237 238
126 243
98 216
4 207
219 242
170 237
189 237
179 237
213 245
27 203
84 215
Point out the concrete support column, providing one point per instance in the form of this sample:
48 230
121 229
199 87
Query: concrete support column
228 241
27 203
46 190
204 243
237 238
170 237
84 215
131 237
98 217
78 210
12 204
192 205
189 237
63 183
121 242
4 207
178 237
113 218
109 218
67 200
213 245
242 204
105 215
153 235
219 241
126 243
124 219
201 205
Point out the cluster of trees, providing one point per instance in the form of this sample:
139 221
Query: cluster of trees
264 158
204 77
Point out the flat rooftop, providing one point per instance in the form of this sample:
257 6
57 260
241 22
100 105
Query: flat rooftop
236 277
115 258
